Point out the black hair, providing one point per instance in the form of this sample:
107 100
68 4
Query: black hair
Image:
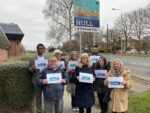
95 46
40 44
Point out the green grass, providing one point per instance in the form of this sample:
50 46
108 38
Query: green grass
139 103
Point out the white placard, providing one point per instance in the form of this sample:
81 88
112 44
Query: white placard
86 78
72 64
115 82
54 78
61 64
41 63
94 58
101 73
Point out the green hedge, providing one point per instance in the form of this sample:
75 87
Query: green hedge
16 89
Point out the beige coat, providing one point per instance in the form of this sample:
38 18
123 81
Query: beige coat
119 97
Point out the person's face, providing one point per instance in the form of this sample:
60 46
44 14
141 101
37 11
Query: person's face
74 56
53 62
95 50
40 50
101 62
117 65
84 59
58 55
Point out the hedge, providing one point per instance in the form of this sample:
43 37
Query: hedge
16 89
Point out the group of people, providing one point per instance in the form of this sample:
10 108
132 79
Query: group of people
74 72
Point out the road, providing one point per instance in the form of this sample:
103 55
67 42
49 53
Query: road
139 66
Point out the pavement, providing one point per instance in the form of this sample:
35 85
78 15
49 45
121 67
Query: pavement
67 105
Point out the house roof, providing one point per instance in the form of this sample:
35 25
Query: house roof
12 30
4 42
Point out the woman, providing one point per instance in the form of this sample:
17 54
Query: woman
119 96
101 89
71 85
84 92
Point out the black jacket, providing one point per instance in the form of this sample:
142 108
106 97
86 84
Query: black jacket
84 92
99 86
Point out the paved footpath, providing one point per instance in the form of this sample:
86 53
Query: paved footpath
67 105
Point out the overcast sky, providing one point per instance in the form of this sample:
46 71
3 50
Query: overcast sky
28 15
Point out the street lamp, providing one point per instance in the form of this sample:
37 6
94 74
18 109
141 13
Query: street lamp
121 20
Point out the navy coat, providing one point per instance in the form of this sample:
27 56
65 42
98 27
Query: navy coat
84 92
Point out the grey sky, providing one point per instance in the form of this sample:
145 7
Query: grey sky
28 15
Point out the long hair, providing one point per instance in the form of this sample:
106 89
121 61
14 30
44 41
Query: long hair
71 54
80 64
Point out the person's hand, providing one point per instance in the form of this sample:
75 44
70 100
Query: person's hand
63 81
94 79
124 83
33 68
70 70
77 77
45 81
106 82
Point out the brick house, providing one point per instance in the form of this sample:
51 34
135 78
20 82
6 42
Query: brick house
14 36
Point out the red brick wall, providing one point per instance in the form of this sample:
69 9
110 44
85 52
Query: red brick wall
3 55
14 48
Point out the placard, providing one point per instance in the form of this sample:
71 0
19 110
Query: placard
41 64
54 78
85 77
101 73
115 82
94 58
62 64
72 64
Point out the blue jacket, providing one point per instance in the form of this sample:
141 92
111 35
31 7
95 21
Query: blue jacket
51 91
84 91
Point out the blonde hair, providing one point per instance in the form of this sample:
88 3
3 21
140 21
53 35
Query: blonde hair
117 60
80 64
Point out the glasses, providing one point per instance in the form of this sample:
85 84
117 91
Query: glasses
40 48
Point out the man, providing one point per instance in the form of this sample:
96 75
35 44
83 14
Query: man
94 57
53 79
61 61
33 67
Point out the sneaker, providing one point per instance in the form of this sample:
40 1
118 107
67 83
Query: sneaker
74 109
77 109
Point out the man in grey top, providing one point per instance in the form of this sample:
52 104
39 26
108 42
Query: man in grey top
33 69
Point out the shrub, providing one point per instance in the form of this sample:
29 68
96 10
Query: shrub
16 90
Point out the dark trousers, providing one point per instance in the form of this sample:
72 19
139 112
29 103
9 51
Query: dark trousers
102 103
38 98
81 110
73 102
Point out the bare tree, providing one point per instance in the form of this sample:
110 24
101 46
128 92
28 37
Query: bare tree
139 24
59 13
125 23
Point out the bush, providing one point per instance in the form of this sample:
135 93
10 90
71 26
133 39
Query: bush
16 90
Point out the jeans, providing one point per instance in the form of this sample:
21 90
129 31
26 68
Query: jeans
81 110
54 106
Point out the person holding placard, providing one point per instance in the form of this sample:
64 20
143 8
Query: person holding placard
101 68
52 79
118 78
39 62
61 61
71 85
94 57
84 91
